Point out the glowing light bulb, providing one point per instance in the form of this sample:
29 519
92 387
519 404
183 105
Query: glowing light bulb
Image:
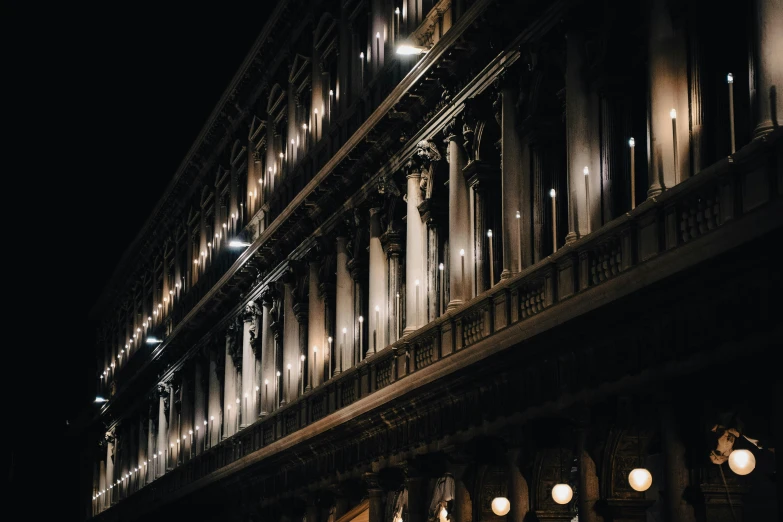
552 193
489 233
462 252
281 155
278 373
377 309
585 171
361 56
345 330
501 506
256 390
331 92
640 479
361 319
266 381
396 10
742 461
304 126
518 215
289 366
377 35
562 493
673 113
631 142
729 78
440 266
302 358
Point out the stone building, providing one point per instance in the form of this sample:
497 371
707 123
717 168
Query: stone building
458 260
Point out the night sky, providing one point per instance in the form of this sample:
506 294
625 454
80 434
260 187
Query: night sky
102 104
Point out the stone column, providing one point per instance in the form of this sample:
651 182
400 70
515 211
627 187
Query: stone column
199 406
359 274
417 500
615 175
152 422
392 243
480 193
163 432
378 286
767 78
344 310
414 257
267 359
460 267
327 292
588 483
214 402
316 337
375 494
171 462
518 495
432 281
511 176
581 134
668 79
186 416
300 311
229 388
110 495
292 350
676 473
249 363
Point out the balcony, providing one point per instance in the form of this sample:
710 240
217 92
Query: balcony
729 203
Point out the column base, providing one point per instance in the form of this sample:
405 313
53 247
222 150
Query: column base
262 414
408 330
762 129
508 274
243 426
454 304
571 237
655 190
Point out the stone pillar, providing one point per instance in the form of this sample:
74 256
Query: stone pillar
615 174
163 432
668 90
392 243
199 406
581 133
214 402
415 298
676 473
432 282
512 174
480 180
300 311
518 495
378 287
344 310
460 267
152 422
589 492
185 416
360 296
229 389
103 485
110 495
375 494
267 386
316 337
249 363
291 348
173 428
327 293
767 79
417 500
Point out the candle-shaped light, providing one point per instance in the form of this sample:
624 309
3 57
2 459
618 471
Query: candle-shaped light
377 324
236 414
552 194
331 95
266 391
632 145
315 122
398 314
397 16
519 237
440 284
328 357
301 374
491 260
361 337
246 412
361 59
306 140
277 389
730 81
377 51
586 172
673 114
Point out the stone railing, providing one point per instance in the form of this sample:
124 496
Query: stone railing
658 232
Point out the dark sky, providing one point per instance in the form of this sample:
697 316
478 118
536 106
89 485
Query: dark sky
102 102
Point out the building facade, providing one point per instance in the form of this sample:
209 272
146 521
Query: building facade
429 258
